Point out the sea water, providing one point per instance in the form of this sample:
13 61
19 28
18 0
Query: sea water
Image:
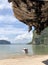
11 50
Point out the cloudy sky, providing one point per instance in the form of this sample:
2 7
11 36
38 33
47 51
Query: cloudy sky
10 28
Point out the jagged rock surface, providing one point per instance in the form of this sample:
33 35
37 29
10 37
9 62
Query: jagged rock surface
32 13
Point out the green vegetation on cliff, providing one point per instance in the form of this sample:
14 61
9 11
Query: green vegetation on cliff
40 39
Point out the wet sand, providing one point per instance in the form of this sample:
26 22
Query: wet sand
26 60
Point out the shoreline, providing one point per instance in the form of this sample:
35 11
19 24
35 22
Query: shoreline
25 60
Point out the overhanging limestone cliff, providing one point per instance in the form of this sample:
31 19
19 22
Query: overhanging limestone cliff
32 13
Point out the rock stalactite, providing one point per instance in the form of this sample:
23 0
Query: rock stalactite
32 13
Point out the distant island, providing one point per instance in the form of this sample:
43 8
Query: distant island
4 42
29 43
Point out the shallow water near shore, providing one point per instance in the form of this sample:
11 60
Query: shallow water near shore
12 50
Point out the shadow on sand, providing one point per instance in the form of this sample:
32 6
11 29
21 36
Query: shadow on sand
45 62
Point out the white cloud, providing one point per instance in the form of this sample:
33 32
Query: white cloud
15 34
7 19
5 4
9 32
25 36
4 38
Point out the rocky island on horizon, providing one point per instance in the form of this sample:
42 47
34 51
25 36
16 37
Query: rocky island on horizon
5 42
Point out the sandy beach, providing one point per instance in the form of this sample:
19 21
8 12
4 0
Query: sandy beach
26 60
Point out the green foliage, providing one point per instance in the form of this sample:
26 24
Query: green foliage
40 39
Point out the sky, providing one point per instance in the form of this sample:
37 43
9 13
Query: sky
11 28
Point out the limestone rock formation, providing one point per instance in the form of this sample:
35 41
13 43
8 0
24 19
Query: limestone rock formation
41 39
32 13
